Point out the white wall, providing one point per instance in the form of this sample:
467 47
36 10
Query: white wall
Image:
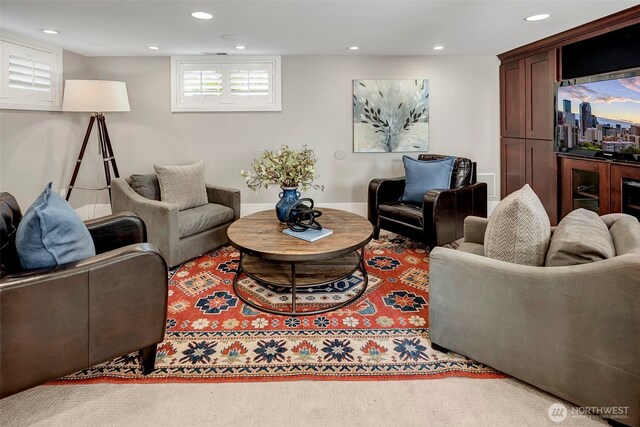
317 93
37 146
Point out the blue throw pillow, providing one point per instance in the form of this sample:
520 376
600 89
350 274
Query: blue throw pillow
51 233
424 175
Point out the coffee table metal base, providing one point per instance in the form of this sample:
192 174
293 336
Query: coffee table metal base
294 284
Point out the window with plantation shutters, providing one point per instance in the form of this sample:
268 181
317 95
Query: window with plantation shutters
249 82
199 83
225 84
31 76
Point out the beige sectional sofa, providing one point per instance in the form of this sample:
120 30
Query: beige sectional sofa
573 331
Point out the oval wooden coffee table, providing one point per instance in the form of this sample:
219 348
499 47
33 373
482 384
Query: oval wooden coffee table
272 258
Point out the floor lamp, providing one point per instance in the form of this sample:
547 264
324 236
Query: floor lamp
96 97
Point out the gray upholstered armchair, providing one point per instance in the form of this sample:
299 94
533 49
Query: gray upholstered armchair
179 235
573 331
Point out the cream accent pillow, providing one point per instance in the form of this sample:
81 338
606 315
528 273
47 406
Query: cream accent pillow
625 233
518 230
182 185
580 237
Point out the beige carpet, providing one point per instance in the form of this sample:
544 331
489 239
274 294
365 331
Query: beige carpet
446 402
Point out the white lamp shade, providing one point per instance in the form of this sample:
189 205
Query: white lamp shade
95 96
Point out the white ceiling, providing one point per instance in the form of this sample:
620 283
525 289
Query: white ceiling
297 27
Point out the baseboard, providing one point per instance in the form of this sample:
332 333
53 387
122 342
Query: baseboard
93 211
357 208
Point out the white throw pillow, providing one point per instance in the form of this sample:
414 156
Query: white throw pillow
518 230
182 185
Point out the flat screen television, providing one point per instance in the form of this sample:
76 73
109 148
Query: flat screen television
599 116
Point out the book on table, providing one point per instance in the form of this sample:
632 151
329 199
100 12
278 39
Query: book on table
310 235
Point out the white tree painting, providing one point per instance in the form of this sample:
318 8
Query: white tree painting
390 115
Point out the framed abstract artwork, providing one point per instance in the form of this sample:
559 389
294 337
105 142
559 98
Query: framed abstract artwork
390 116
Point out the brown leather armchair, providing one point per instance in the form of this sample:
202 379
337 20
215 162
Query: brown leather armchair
440 218
57 321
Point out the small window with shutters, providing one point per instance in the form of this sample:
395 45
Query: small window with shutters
31 75
225 84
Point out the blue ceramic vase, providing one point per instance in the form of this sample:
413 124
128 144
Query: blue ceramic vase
288 198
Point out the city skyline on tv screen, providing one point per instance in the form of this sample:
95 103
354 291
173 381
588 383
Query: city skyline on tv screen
616 101
601 116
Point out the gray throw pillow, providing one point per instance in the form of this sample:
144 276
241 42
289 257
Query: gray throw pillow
625 233
518 230
146 185
182 185
580 237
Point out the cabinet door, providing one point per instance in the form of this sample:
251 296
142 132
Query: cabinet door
539 77
625 189
512 162
541 174
585 184
512 88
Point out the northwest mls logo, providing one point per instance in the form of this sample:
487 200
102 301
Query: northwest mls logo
557 412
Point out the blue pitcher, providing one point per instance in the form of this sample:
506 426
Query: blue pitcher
288 198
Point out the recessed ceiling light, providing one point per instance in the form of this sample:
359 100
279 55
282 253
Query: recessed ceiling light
202 15
153 47
537 17
48 31
437 47
241 47
353 48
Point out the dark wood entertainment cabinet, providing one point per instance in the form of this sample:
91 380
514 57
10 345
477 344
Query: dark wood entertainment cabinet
602 186
527 76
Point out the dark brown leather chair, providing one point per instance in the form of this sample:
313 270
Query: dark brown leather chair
54 322
440 218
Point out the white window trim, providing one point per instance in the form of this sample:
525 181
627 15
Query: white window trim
176 61
56 76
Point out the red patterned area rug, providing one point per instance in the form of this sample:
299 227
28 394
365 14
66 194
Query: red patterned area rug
212 336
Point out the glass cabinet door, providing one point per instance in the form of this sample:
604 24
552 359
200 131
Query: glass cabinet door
631 197
585 190
600 186
585 184
625 189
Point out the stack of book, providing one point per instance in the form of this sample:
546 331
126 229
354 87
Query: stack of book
310 235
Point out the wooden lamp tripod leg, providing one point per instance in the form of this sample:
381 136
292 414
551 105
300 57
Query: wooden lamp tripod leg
107 152
80 156
107 141
105 148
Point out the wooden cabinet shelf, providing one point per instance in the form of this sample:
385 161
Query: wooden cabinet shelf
587 195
